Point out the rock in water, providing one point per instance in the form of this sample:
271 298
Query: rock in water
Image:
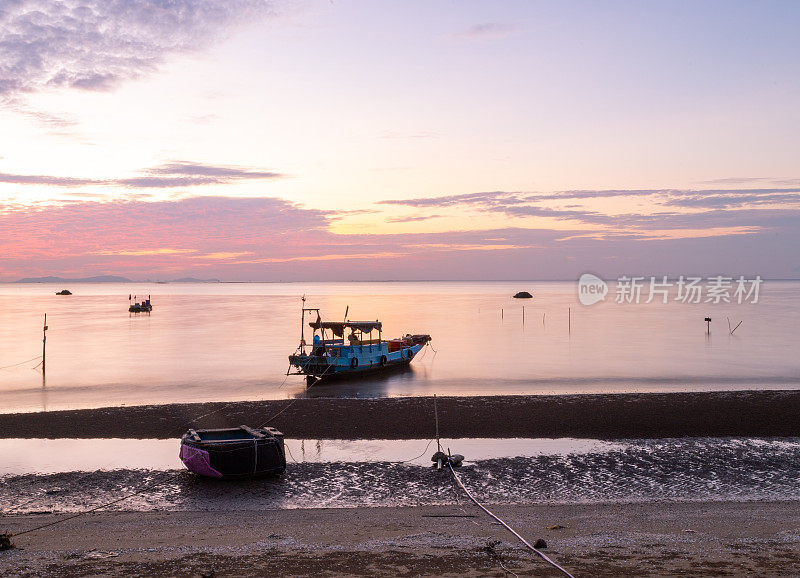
523 295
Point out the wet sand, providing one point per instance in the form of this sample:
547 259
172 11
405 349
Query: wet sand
602 416
652 539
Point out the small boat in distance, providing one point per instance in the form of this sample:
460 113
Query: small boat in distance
143 307
331 356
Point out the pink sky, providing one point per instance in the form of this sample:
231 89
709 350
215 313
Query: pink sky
245 239
251 140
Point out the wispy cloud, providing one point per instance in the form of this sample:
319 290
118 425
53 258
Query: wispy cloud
98 44
412 219
753 208
169 175
728 199
488 31
736 180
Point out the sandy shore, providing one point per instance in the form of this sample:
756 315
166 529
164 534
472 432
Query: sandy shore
652 539
604 416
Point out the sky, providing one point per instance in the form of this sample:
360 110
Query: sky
247 140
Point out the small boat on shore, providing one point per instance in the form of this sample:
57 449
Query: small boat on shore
332 357
232 453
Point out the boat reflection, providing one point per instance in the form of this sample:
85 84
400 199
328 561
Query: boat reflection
366 386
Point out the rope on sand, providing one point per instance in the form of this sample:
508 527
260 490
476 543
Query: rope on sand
542 555
101 506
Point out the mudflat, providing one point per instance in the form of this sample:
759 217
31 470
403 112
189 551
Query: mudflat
758 413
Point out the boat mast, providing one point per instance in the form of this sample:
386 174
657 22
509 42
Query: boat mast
302 326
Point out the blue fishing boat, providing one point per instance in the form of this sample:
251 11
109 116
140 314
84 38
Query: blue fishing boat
348 349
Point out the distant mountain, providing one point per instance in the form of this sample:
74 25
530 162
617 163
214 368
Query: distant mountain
193 280
98 279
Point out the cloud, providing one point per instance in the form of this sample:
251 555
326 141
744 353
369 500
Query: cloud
99 44
488 198
412 219
488 31
47 180
726 199
735 180
169 175
731 208
273 239
156 232
188 168
201 232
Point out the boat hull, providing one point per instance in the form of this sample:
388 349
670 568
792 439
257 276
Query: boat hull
371 361
234 453
361 372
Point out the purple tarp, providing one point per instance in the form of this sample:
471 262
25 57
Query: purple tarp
197 461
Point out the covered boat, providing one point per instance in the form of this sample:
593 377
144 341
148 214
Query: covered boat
143 307
234 453
346 349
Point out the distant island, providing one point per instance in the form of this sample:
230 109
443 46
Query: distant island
98 279
193 280
108 279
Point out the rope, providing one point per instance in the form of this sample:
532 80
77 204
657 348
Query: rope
101 506
227 405
21 362
285 408
425 451
542 555
295 400
219 409
288 449
489 546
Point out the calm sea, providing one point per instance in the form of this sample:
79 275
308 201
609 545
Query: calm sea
230 341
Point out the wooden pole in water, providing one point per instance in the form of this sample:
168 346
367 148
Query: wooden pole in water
436 417
501 313
523 315
44 346
569 320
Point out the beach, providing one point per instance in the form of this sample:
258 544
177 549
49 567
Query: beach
636 539
659 498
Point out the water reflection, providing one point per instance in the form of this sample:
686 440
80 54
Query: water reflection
366 386
48 456
209 342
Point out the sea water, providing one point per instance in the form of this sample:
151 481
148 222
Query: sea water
61 476
230 341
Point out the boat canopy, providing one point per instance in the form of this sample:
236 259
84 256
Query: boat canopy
338 327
